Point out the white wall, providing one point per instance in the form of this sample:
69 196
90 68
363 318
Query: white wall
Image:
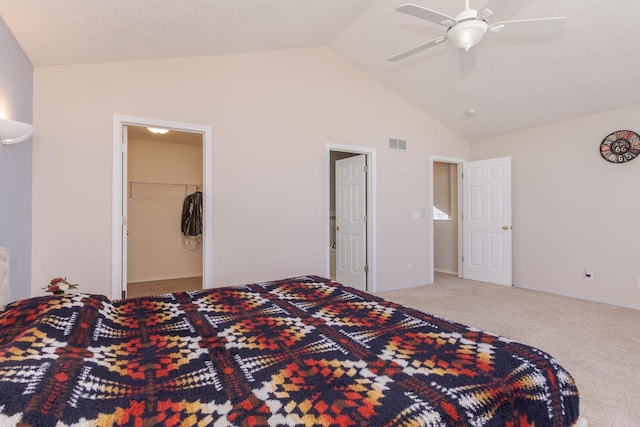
156 248
572 210
16 103
272 114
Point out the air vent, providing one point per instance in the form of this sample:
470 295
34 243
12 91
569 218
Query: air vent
397 144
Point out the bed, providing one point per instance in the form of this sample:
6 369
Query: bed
292 352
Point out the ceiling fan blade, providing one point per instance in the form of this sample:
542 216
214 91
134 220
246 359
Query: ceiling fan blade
539 24
428 14
416 49
491 8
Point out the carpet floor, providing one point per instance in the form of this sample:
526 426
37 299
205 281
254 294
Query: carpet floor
598 344
158 287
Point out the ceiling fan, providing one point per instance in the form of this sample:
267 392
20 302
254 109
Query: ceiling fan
469 26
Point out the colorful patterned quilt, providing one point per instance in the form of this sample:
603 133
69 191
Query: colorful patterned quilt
296 352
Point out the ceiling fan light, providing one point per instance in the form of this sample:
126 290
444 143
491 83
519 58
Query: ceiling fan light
467 34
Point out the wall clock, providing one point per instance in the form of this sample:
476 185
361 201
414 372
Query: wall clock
620 146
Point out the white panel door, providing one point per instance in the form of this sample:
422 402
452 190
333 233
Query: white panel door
351 240
486 221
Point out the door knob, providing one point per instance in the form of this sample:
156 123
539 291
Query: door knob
337 228
505 227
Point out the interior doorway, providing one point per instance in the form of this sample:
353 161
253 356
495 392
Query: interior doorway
348 211
484 232
353 265
148 190
164 182
445 217
446 208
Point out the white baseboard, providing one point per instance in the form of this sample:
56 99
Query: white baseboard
439 270
580 297
402 287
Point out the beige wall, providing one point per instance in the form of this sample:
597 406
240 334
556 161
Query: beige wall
445 232
272 114
156 246
572 210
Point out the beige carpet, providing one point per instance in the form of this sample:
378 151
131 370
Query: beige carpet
598 344
158 287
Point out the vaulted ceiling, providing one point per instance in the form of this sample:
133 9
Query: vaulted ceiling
513 80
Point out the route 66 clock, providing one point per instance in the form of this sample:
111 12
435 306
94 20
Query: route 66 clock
620 146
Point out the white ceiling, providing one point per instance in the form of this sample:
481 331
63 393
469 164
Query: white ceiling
513 80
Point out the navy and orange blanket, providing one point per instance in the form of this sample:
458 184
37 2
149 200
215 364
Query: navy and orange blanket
296 352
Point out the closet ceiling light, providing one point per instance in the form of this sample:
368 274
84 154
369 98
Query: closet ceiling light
158 131
12 132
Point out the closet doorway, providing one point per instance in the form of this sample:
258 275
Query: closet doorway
159 169
164 169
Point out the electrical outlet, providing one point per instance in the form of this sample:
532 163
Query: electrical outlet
588 275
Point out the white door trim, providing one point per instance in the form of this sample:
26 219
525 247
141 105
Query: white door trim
119 121
371 209
457 161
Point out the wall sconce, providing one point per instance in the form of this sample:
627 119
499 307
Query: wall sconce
12 132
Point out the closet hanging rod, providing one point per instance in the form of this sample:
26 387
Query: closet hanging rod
165 183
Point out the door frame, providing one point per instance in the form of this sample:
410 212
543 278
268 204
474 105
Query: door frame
370 154
118 185
457 161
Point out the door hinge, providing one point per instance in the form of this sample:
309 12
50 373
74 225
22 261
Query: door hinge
123 146
366 268
462 259
124 221
366 218
366 169
124 294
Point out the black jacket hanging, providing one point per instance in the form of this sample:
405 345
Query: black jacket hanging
191 222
